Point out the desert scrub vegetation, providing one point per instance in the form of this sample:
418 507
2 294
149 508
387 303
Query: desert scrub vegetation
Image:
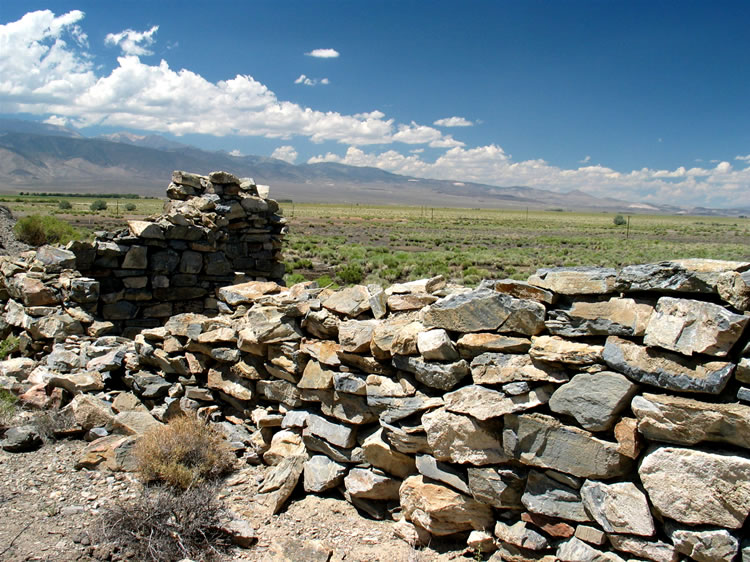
8 408
397 244
8 346
182 454
164 526
37 230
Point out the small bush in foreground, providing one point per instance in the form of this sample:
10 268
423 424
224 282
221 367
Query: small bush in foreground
64 205
8 346
351 273
98 205
183 453
163 525
36 230
8 407
619 220
130 207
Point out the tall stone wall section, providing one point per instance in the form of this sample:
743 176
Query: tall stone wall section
215 231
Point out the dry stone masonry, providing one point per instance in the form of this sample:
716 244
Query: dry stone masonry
216 230
589 414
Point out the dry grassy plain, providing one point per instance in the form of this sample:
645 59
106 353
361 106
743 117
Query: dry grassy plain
353 243
385 244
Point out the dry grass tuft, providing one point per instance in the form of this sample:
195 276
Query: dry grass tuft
183 453
164 525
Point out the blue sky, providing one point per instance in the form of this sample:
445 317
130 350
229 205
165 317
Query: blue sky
645 101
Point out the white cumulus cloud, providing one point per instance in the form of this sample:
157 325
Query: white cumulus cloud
453 122
132 42
236 152
324 53
303 79
286 153
721 186
44 70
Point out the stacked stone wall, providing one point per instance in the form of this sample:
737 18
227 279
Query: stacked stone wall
215 231
587 414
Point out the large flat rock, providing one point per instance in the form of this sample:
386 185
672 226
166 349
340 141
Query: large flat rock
594 400
698 487
542 441
440 509
689 326
613 317
683 421
485 310
666 369
463 439
576 280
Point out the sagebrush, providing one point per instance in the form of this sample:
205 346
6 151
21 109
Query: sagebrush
36 230
183 453
165 525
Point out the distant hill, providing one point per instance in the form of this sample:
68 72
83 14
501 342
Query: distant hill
41 157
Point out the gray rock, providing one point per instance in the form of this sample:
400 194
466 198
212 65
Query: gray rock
708 545
560 350
576 280
441 510
575 550
397 408
552 498
618 508
500 487
355 335
381 455
482 403
665 369
56 258
443 376
463 439
435 345
22 439
268 325
441 472
614 317
678 276
485 310
348 408
406 440
322 473
593 400
591 535
280 391
683 421
521 535
543 441
279 484
697 487
690 326
355 455
335 433
366 484
351 301
519 289
471 345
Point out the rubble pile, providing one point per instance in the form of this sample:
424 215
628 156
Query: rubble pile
587 414
216 230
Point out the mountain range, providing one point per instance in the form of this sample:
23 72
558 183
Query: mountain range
42 157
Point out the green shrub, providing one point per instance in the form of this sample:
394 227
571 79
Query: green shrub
36 230
183 453
98 205
130 207
351 273
8 346
619 220
64 205
8 407
293 278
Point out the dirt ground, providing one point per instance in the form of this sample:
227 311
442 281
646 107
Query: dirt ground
49 511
